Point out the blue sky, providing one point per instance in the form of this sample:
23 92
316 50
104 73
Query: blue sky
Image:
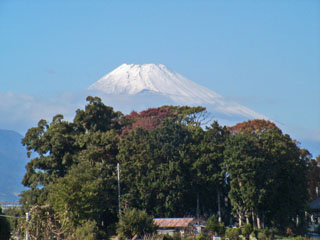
262 54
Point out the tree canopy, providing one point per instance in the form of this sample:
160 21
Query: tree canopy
171 165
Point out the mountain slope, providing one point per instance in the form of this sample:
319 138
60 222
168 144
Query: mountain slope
134 80
12 162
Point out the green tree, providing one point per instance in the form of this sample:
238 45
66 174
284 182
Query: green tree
244 166
87 230
14 222
233 233
97 117
313 176
207 167
137 223
285 179
267 174
214 227
4 227
75 161
86 193
42 224
155 170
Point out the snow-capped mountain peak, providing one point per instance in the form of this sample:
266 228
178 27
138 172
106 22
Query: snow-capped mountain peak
132 79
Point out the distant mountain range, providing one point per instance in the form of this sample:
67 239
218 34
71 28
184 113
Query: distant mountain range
13 159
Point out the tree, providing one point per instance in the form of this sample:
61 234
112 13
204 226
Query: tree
75 162
16 212
253 127
137 223
4 227
244 165
214 227
43 224
155 170
285 179
86 193
153 118
267 173
97 117
207 167
313 176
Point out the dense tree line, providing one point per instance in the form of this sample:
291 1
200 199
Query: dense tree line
171 166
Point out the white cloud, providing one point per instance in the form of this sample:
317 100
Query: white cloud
21 111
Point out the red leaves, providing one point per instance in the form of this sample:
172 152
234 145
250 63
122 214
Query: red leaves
148 119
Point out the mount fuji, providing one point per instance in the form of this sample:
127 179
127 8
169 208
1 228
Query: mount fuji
137 87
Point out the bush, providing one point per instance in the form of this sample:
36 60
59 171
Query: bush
203 236
247 230
214 227
135 222
233 233
88 230
266 234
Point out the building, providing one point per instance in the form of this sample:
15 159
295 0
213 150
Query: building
175 225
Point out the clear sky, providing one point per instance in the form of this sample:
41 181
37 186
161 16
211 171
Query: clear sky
262 54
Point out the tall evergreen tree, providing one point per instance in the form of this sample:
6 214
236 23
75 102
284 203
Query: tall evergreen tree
155 170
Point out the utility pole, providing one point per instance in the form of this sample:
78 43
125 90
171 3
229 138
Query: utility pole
118 170
198 209
219 206
27 220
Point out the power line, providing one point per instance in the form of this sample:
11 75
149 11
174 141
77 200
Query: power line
8 216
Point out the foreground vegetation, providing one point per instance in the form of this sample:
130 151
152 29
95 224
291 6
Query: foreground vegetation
170 167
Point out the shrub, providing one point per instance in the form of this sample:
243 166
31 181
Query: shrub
135 222
233 233
214 227
88 230
266 234
203 236
247 230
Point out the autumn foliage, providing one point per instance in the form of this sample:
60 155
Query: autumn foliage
253 126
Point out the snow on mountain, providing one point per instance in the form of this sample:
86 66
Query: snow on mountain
134 79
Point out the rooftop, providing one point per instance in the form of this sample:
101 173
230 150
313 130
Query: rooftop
172 222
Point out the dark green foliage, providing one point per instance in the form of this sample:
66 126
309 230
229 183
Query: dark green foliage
265 234
214 227
4 227
244 166
203 236
247 230
137 223
168 164
155 170
87 230
267 176
74 166
233 233
17 212
97 117
207 170
86 193
313 175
